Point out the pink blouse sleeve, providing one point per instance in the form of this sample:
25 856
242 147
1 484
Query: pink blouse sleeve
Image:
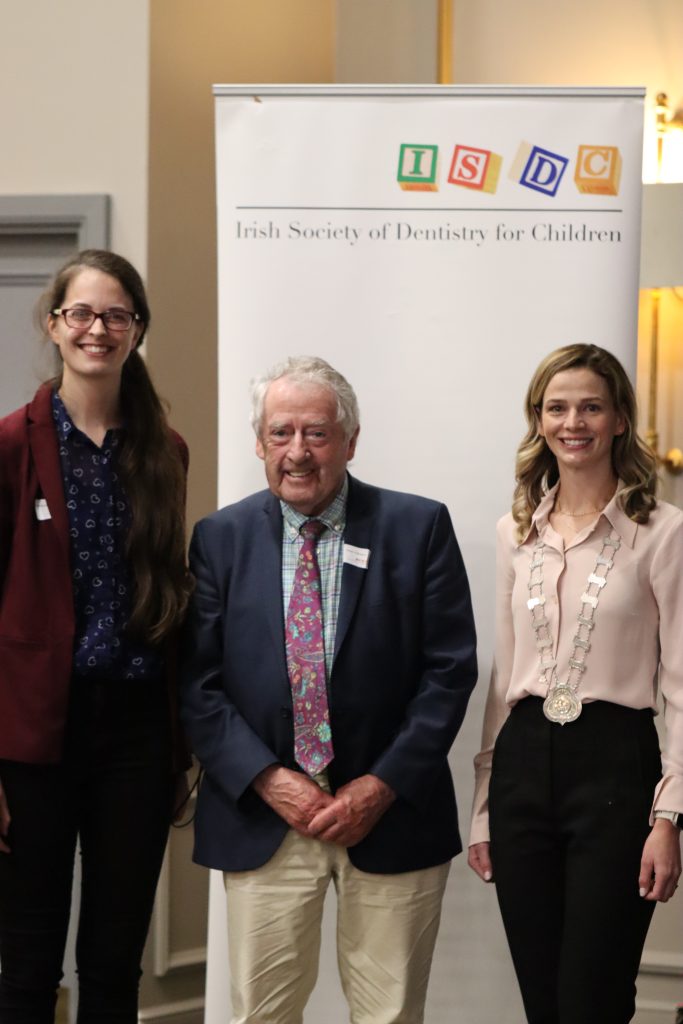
667 586
497 709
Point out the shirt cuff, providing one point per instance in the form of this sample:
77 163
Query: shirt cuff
672 816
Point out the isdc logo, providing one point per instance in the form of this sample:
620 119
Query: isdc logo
597 168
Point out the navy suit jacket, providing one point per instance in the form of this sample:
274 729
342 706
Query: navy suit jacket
404 666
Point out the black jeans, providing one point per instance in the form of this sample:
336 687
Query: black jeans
114 792
569 808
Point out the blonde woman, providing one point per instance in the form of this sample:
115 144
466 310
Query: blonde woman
575 814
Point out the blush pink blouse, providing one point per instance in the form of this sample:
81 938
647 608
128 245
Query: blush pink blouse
636 644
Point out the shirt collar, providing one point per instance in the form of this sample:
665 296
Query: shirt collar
613 512
334 516
63 422
67 429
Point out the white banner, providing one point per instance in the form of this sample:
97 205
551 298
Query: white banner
433 243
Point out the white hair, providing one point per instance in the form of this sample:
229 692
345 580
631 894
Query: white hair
308 370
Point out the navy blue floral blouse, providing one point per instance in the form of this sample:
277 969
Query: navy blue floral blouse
99 518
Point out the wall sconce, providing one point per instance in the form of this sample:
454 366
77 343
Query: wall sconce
661 266
669 134
661 261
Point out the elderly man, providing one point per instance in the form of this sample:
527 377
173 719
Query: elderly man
329 658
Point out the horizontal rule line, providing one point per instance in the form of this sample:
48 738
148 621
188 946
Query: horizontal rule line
432 209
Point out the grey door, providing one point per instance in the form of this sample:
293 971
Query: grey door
37 234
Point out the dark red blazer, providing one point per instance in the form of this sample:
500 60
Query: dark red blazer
36 603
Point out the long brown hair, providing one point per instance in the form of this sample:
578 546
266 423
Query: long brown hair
150 464
633 462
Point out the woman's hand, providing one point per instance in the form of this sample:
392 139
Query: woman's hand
5 819
660 866
479 859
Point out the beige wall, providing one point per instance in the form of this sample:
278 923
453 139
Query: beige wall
570 42
583 42
386 41
193 46
78 66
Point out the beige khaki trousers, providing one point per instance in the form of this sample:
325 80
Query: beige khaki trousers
386 931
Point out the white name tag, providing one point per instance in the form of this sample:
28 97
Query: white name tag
356 556
42 511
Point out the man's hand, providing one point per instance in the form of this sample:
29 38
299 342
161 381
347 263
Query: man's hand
293 796
5 819
479 859
660 867
353 812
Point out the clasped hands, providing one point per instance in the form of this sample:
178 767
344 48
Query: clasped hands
344 819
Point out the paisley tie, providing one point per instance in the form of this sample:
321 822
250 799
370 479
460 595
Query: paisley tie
306 658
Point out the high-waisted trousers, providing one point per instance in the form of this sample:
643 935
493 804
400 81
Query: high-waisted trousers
569 809
113 792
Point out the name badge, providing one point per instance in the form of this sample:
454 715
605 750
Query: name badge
356 556
42 511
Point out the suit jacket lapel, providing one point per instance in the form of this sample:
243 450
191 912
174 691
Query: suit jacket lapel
271 565
358 532
42 439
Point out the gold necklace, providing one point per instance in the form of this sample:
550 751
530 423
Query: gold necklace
576 515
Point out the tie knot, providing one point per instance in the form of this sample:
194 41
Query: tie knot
311 529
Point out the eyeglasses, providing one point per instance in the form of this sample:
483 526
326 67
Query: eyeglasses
81 318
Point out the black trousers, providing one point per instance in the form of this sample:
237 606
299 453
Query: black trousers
114 792
569 809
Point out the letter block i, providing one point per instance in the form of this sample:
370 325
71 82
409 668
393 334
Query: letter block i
598 170
417 168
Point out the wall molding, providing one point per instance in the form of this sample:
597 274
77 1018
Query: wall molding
660 961
166 959
654 1011
191 1010
85 215
38 232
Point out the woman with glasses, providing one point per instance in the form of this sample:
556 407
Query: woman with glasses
576 815
93 585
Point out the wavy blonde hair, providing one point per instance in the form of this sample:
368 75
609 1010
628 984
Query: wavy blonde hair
632 460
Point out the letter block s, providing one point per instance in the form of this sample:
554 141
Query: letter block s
475 168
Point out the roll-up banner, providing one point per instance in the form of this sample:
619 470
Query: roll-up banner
433 244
